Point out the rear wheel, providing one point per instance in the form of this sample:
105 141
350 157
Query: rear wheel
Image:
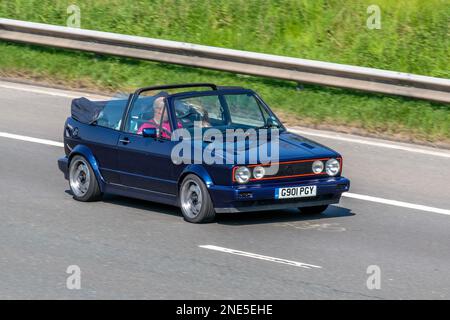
195 202
82 180
313 210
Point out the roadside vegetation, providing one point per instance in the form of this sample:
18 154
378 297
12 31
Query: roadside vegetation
414 37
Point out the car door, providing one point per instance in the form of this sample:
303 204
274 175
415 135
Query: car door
145 162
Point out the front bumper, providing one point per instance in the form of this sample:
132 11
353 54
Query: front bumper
261 197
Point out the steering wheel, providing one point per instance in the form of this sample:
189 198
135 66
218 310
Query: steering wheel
190 112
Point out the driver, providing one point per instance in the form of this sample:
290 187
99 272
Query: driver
157 121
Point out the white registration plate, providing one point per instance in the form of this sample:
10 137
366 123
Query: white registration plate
295 192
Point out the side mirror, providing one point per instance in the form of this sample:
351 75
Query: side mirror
271 122
150 133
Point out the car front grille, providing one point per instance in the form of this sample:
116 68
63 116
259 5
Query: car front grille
295 169
290 169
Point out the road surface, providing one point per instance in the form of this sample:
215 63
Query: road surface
396 218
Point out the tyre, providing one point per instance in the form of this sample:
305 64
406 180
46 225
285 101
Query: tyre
82 180
313 210
195 202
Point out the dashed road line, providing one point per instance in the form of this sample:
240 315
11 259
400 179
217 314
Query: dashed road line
261 257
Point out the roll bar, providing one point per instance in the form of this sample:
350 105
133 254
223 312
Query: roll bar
176 86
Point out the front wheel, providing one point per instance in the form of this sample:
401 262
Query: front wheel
313 210
82 180
195 202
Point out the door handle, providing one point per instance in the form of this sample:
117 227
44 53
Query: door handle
125 141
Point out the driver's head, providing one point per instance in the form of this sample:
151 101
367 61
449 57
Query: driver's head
158 107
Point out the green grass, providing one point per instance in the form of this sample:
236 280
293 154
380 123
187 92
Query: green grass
414 38
414 35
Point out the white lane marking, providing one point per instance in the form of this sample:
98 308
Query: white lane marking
42 91
261 257
346 194
396 203
31 139
372 143
51 92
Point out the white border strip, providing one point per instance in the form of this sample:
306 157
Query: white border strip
371 143
396 203
261 257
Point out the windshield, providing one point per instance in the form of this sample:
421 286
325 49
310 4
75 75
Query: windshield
223 111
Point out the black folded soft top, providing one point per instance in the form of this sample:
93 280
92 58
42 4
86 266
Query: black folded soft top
86 111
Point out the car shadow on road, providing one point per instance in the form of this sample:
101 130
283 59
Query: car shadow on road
143 205
278 216
237 219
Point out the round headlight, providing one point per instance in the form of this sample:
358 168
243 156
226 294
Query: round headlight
242 174
317 166
332 167
259 172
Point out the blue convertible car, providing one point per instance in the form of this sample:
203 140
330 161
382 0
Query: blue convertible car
126 147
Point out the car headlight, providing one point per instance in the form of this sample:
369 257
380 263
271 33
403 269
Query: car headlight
259 172
332 167
317 167
242 174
